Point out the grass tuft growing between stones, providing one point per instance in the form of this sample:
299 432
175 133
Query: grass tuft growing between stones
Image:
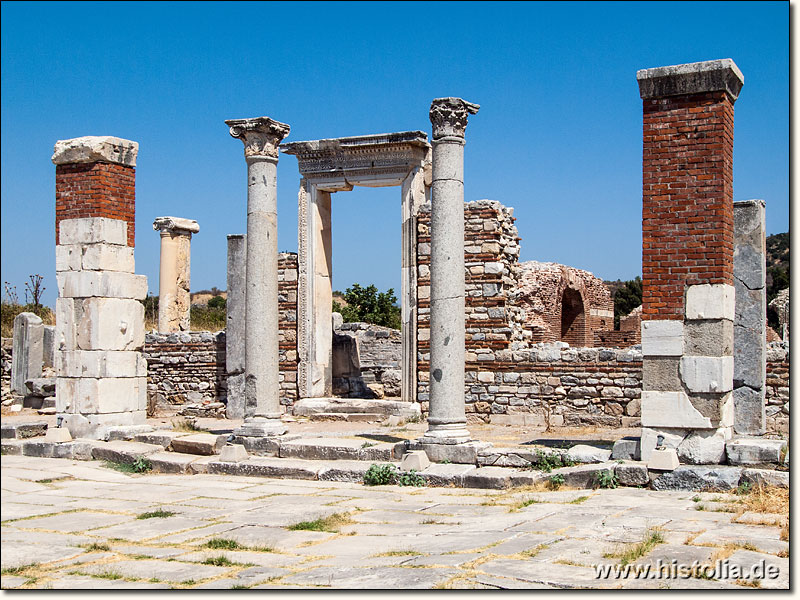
224 561
524 503
223 544
18 570
95 547
578 500
156 514
628 554
397 553
330 524
112 575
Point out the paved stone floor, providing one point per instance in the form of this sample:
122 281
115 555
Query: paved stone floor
69 524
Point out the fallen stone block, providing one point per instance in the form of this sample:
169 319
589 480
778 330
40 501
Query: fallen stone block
57 434
203 444
697 478
22 431
260 446
754 451
663 459
506 457
464 454
632 474
491 478
765 477
123 452
583 453
82 448
12 447
583 476
520 478
382 452
233 453
626 449
44 387
416 460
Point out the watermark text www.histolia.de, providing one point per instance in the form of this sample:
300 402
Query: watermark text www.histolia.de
722 569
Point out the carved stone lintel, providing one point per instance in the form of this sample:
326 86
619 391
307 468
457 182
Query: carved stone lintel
449 116
176 225
261 135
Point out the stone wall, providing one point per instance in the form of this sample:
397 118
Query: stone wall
5 367
367 361
184 368
777 388
287 326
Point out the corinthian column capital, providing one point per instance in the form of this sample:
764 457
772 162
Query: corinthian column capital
260 135
449 116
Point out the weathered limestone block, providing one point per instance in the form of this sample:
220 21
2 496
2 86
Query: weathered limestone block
102 363
49 346
110 324
96 148
671 409
27 356
707 374
708 338
88 396
103 284
93 230
662 338
94 257
709 301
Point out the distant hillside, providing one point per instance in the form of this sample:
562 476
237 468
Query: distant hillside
777 264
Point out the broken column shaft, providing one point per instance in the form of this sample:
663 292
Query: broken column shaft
174 291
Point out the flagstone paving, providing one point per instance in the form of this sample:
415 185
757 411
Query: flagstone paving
69 525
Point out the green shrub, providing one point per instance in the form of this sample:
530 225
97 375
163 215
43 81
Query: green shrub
556 481
411 479
217 302
380 475
367 305
546 461
607 479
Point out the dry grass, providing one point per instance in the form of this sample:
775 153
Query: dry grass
631 552
766 499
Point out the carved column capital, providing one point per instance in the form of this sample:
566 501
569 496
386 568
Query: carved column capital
176 225
260 135
449 116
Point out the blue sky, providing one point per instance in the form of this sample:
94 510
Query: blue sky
558 136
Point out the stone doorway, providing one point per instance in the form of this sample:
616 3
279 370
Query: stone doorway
335 165
573 318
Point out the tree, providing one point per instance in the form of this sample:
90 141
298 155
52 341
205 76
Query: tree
367 305
217 302
626 298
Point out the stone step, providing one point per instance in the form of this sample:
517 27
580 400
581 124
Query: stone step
322 448
21 431
309 406
204 444
755 451
123 452
350 417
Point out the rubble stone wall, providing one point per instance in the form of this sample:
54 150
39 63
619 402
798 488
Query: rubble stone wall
367 361
777 388
287 326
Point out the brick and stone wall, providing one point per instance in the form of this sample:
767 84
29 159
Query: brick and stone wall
563 303
367 361
287 326
777 388
184 368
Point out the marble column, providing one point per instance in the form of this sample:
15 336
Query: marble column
446 419
174 292
261 136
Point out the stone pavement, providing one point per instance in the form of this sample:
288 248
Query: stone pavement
71 524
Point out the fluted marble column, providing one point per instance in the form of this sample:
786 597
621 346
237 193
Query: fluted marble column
261 136
174 287
446 419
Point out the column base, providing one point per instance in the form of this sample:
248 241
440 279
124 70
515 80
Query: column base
450 450
261 427
446 433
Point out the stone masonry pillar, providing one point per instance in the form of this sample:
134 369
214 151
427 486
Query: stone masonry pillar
750 324
687 258
261 137
174 291
234 325
101 376
446 418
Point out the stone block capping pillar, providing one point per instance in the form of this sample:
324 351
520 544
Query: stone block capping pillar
447 419
749 326
261 137
95 177
174 290
27 356
687 257
101 377
235 326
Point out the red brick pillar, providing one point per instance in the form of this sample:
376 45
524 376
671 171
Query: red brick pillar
687 257
96 177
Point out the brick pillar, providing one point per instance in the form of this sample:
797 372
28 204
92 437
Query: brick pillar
96 177
687 257
101 377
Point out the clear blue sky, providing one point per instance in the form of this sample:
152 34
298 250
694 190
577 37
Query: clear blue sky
558 136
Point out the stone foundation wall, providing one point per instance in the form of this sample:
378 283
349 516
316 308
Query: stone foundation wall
184 368
5 367
777 388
